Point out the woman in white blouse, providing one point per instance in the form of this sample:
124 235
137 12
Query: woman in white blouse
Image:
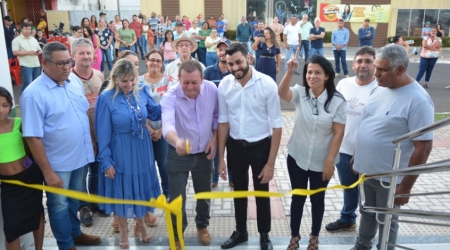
314 145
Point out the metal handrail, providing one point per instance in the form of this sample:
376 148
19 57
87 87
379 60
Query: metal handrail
389 210
421 131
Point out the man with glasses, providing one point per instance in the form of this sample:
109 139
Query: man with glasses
356 91
292 37
83 53
56 127
184 46
27 49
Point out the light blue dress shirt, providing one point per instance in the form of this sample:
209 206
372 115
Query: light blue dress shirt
340 36
58 115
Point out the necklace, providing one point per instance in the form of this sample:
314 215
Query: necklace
137 112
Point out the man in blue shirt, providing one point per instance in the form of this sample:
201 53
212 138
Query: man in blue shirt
339 39
215 73
316 36
56 128
258 33
244 33
10 34
366 34
219 26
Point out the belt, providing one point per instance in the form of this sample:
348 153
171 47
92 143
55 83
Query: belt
199 153
266 56
244 143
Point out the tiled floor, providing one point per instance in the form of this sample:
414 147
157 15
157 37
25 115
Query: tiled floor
222 211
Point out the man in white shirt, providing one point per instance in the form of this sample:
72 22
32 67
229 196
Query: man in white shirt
305 28
193 31
27 49
292 36
356 91
249 107
225 27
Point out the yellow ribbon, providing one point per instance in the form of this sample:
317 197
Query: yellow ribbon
188 148
173 207
264 194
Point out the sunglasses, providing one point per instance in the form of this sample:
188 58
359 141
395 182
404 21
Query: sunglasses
315 110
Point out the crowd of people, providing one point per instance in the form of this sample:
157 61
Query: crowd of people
109 136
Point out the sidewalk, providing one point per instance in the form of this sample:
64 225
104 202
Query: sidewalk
222 221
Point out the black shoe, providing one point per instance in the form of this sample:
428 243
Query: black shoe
264 242
339 226
102 213
235 239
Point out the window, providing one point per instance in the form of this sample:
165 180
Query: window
411 21
402 28
284 9
256 8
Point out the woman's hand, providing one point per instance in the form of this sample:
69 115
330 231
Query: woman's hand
328 171
110 173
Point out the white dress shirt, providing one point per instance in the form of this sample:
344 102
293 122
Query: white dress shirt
311 137
253 110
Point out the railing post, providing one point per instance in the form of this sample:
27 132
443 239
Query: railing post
390 200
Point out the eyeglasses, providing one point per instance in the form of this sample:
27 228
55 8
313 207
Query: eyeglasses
153 60
62 64
315 110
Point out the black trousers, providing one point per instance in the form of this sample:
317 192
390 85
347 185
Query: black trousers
238 160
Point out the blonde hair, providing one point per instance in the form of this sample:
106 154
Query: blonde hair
122 68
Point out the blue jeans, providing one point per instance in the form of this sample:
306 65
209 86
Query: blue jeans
29 75
305 48
426 64
9 52
62 211
299 179
92 183
211 58
138 44
314 51
351 196
196 52
126 48
220 34
144 40
159 40
106 55
202 55
340 56
376 196
249 46
289 52
160 151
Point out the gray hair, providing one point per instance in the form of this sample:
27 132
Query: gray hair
80 42
305 15
49 48
317 19
395 54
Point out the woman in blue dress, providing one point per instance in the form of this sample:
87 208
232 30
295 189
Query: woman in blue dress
125 150
269 49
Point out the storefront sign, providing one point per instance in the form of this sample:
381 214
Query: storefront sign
285 9
354 13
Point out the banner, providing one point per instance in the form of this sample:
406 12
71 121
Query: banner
285 9
355 13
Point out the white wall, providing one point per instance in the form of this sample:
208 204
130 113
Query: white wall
88 5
